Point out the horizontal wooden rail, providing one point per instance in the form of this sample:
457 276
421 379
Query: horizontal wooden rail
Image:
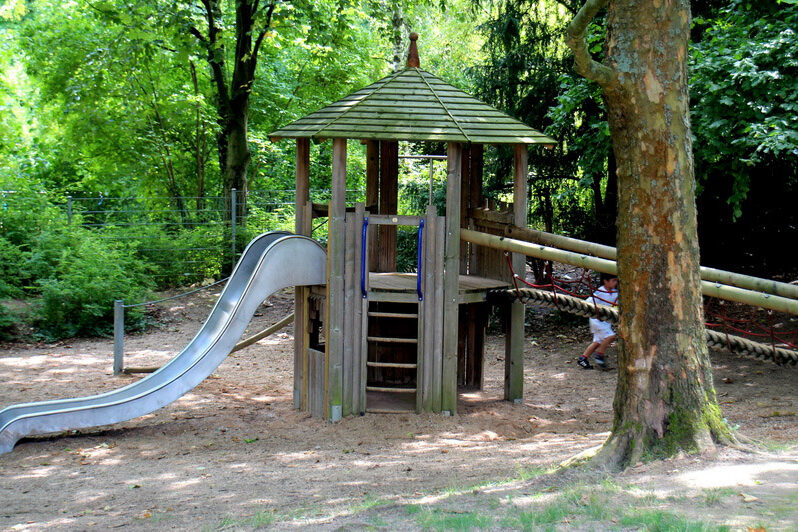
713 275
391 390
392 315
389 340
391 365
721 291
393 219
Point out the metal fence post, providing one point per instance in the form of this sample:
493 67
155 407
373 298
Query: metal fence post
119 335
69 210
233 209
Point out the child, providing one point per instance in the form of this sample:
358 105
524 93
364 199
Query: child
603 335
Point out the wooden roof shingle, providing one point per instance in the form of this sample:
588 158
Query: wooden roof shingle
413 105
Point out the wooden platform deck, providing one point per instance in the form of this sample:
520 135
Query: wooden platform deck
472 289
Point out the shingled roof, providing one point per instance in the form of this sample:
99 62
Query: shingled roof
413 105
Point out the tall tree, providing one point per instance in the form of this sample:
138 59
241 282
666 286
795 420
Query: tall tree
252 23
665 399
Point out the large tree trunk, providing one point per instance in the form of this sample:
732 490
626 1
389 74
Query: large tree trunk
232 98
665 400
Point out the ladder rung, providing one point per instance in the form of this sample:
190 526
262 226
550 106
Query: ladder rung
384 389
392 315
391 365
392 340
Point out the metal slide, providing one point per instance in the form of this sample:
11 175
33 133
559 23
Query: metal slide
270 262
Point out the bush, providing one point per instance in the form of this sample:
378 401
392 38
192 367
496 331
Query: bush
78 301
11 269
7 323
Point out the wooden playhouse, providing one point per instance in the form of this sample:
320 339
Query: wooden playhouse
376 340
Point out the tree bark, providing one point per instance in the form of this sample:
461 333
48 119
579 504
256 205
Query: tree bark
665 400
232 100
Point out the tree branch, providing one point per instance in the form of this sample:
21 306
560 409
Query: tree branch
263 32
196 33
584 64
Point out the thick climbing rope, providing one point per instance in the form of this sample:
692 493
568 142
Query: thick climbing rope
580 307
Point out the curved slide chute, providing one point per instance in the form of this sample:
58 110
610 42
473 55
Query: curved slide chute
271 262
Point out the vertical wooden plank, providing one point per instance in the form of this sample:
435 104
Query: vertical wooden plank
303 223
438 323
372 192
475 198
302 186
389 197
347 361
472 356
462 345
465 197
357 312
335 283
451 269
514 347
427 317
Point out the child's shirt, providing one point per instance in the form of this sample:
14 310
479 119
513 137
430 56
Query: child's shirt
604 296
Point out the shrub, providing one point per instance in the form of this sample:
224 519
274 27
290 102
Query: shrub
11 269
90 275
7 323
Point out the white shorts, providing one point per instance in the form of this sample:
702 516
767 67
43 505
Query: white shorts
601 330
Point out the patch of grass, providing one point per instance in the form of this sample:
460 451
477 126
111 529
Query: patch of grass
262 519
367 503
439 519
534 519
661 521
412 509
714 496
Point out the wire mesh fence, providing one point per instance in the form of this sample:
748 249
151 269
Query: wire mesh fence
183 239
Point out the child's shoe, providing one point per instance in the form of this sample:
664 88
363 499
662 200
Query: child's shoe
601 362
583 363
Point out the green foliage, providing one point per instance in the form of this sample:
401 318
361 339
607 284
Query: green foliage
744 102
10 269
527 73
7 323
89 276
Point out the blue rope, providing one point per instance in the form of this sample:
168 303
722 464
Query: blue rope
363 259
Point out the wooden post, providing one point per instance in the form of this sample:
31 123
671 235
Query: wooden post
358 387
451 266
465 200
475 197
514 347
335 282
347 354
372 192
389 200
303 227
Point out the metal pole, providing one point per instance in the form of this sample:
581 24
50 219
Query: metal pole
233 209
119 335
69 210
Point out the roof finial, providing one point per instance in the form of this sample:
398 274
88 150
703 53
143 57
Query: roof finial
412 53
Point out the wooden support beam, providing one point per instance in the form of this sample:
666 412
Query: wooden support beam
451 267
372 194
389 202
359 321
303 226
465 200
335 283
475 200
514 347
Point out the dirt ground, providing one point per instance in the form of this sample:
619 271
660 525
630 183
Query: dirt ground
234 454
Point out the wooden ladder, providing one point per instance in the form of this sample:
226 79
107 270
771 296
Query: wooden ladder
402 334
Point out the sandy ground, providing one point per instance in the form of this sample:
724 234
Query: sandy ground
234 449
